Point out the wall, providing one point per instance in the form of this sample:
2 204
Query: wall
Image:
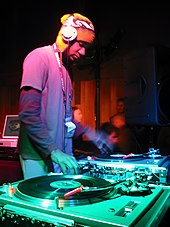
84 90
9 95
111 86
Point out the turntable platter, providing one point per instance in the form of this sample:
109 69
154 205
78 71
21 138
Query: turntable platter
120 157
117 155
56 186
124 155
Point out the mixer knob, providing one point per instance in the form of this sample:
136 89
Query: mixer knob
33 220
12 217
16 219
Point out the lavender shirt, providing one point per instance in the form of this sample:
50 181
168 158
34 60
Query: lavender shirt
39 135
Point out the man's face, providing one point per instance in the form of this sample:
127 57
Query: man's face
113 138
118 121
76 51
120 107
77 115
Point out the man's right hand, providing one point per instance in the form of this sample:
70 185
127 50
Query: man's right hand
65 161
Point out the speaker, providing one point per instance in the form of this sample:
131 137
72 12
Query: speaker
147 86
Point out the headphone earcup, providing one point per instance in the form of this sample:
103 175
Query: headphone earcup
69 33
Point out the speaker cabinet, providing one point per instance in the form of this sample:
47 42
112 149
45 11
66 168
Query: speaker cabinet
10 171
147 86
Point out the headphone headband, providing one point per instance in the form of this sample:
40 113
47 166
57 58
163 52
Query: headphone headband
78 23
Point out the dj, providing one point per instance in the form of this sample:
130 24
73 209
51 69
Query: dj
45 112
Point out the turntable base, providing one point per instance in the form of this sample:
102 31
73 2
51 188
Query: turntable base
24 206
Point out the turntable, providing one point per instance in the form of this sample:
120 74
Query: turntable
137 159
78 200
119 166
64 190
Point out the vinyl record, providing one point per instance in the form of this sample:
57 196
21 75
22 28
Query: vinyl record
120 157
54 187
117 155
133 156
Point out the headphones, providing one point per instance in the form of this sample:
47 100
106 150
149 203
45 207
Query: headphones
69 31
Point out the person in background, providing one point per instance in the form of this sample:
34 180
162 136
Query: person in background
111 137
82 144
120 105
105 141
126 141
132 138
118 120
77 120
45 111
89 142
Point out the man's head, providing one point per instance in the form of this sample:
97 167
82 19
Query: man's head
77 114
74 27
76 33
111 131
118 120
120 105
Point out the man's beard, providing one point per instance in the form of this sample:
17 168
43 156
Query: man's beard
67 61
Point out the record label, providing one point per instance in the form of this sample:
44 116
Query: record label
65 184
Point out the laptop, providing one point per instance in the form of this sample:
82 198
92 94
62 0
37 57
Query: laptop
10 131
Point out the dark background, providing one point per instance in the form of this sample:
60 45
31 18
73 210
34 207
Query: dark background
29 24
120 27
